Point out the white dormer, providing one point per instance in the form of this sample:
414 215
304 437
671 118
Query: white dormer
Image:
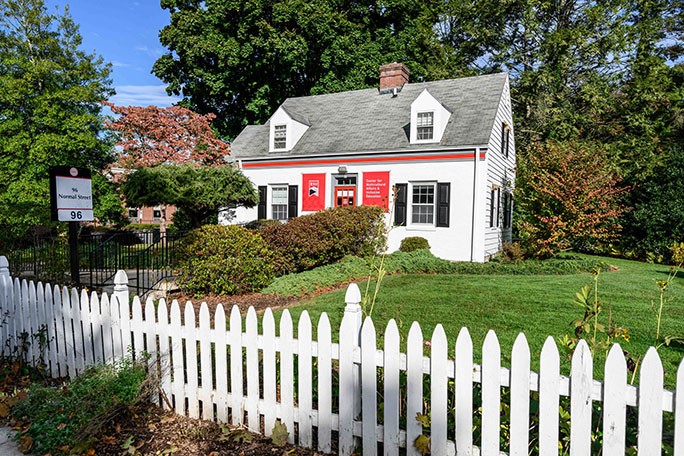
285 130
429 118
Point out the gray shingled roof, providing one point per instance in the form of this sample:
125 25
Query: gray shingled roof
366 121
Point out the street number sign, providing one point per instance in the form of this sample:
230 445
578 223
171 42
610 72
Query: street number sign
71 194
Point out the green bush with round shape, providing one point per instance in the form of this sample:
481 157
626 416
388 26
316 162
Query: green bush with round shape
325 237
413 243
224 260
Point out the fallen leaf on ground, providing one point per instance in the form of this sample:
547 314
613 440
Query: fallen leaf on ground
279 434
25 444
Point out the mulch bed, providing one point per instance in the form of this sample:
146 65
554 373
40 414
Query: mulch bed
149 430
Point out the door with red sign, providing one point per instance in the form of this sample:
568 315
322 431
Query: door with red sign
345 196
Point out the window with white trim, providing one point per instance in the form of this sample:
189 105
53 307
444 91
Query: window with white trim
279 202
423 204
280 136
425 126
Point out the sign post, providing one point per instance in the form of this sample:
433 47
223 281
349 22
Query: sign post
71 198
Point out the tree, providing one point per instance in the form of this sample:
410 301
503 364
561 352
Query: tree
569 197
241 59
50 111
199 192
150 136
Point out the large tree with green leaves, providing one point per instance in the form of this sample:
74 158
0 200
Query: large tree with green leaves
198 191
241 59
50 111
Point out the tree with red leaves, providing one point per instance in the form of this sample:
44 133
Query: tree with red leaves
151 136
568 196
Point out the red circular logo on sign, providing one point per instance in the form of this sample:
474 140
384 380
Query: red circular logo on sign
73 172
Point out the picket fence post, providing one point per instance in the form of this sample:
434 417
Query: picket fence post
4 268
354 312
121 286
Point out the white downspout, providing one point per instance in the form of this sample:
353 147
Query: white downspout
472 221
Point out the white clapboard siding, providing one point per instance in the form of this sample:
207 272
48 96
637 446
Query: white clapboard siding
83 330
520 397
304 374
614 406
463 394
191 339
369 388
324 384
252 353
549 398
650 404
269 350
206 395
391 390
414 387
580 400
491 394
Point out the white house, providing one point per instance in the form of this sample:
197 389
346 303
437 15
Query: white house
446 146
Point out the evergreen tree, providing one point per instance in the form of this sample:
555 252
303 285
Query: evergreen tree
50 111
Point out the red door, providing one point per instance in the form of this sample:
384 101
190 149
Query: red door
345 196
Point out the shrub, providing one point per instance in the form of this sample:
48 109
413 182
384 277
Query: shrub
225 260
410 244
65 416
327 236
568 195
511 253
260 224
420 262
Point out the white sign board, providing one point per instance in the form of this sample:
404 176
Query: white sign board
73 196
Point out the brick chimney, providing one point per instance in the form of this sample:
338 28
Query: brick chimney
393 76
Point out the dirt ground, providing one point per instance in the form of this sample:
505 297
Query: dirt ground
149 430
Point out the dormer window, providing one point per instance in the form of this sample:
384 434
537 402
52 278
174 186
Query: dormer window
425 126
280 137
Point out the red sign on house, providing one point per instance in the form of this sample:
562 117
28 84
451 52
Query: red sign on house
376 189
313 192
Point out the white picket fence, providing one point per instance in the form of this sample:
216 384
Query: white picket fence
241 376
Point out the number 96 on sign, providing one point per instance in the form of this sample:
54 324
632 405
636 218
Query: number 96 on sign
75 215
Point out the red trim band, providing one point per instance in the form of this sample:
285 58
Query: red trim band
363 160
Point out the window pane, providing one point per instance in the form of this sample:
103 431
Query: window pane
279 136
279 195
280 212
423 204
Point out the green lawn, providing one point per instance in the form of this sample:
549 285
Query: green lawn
538 305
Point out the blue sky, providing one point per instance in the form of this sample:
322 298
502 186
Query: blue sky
125 34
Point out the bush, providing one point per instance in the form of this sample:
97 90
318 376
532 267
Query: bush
66 416
224 260
420 262
327 236
410 244
260 224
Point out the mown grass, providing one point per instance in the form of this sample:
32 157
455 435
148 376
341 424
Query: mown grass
538 305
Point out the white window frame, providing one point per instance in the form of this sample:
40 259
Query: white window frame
275 137
271 203
431 126
409 207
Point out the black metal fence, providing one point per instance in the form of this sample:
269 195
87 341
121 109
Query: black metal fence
147 256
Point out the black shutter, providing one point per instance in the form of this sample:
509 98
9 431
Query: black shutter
292 193
505 209
491 208
443 200
508 140
503 138
400 205
261 211
498 207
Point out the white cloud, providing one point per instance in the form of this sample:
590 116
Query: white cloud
117 64
152 52
142 95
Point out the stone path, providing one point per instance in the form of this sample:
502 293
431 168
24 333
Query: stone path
8 446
